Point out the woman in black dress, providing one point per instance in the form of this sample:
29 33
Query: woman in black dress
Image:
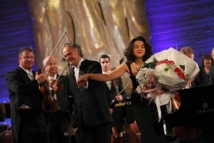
136 54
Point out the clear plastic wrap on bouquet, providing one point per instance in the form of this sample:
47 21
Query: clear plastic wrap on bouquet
163 73
171 69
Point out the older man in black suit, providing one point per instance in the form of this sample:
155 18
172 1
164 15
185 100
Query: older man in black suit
27 118
58 121
94 118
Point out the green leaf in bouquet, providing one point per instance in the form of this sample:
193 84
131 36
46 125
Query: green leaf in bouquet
182 67
150 65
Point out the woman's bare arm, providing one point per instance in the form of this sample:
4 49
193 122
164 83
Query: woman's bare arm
118 72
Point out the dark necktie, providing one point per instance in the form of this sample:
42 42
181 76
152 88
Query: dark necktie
73 73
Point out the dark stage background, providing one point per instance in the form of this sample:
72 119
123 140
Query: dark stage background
173 23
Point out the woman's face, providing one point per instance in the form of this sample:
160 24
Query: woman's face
207 62
139 49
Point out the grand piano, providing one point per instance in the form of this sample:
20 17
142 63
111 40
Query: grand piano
196 108
196 113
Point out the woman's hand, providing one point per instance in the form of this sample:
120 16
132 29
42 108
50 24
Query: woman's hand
82 80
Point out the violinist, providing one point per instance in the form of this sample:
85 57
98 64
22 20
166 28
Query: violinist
112 87
27 118
57 121
112 90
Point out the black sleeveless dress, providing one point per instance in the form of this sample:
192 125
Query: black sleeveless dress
144 115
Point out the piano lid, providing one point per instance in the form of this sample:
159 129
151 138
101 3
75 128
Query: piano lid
196 108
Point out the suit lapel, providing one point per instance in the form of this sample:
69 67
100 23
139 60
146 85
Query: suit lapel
34 74
23 73
83 66
81 72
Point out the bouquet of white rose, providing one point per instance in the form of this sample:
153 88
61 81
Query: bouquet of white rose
163 73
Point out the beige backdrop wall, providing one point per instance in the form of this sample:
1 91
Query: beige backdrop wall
99 26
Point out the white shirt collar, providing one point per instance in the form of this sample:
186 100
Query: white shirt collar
79 64
52 78
27 71
76 69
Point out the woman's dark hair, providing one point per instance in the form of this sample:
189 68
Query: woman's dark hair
128 52
206 57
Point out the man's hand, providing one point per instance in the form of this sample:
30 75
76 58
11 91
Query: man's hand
41 77
55 87
119 98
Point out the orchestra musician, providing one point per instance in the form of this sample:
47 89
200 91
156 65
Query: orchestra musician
205 76
188 51
112 87
113 90
27 118
57 121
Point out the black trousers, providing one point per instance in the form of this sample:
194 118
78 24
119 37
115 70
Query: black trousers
33 128
95 134
57 125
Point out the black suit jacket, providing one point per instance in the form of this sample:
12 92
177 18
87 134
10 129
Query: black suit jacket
91 103
204 79
22 90
112 92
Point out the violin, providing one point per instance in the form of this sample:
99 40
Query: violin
59 85
49 104
58 81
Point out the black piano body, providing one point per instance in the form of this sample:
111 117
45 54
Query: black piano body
196 108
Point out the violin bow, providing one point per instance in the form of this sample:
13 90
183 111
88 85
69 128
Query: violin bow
124 87
116 86
119 93
62 73
54 49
